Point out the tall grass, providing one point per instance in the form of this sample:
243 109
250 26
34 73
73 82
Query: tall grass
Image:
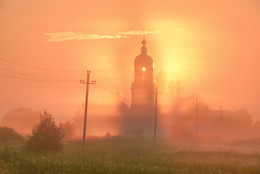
120 155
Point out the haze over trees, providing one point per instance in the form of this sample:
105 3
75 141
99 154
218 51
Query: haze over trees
21 119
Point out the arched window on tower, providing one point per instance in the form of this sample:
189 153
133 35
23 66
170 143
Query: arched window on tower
143 74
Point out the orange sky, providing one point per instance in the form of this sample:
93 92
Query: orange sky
212 47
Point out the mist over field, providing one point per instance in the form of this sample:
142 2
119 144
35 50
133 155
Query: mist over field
129 86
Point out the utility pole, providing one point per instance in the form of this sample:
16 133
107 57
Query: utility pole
87 83
155 115
221 122
197 117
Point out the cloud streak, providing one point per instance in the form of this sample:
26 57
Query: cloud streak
66 36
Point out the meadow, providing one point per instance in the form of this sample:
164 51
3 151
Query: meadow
118 155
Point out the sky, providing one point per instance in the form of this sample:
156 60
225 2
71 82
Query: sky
46 46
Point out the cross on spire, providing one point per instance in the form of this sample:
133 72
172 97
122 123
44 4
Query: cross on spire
144 49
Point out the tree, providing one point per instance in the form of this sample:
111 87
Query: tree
45 136
9 134
67 130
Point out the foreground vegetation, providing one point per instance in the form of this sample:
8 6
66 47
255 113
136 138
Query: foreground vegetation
118 155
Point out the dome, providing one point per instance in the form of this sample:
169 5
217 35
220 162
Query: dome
143 58
161 76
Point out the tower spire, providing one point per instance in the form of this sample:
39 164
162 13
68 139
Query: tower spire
143 49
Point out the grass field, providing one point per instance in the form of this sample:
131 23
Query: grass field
119 156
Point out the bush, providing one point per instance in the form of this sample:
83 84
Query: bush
67 130
9 134
7 154
46 135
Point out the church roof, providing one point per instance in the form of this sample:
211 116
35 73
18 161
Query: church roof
143 58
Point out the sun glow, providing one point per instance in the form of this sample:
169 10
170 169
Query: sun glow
176 60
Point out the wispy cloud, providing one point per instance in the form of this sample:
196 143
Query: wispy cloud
64 36
137 32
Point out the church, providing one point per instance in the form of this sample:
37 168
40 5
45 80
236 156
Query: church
139 119
143 86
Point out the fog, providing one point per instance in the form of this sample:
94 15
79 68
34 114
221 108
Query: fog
210 48
176 123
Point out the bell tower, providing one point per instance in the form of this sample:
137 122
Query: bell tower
143 85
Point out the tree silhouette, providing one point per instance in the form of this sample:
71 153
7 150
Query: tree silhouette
9 134
67 130
46 135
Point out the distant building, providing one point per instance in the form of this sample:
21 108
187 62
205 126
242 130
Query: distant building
161 81
139 119
175 89
143 85
172 88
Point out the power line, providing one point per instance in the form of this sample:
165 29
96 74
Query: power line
40 68
109 86
110 89
106 87
108 80
34 76
39 80
46 79
108 83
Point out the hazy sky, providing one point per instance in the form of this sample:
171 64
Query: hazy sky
210 46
